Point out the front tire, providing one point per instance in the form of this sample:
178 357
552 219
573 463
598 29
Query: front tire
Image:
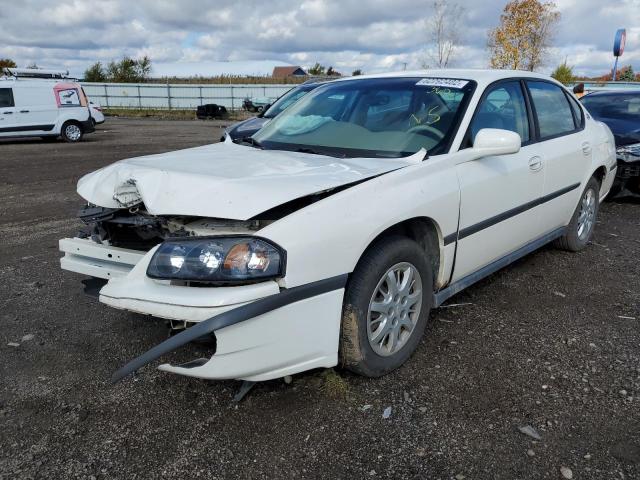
71 132
386 306
580 229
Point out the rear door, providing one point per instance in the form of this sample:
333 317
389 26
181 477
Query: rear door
498 194
566 148
7 112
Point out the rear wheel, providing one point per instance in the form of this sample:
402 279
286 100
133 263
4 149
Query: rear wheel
386 307
580 229
71 132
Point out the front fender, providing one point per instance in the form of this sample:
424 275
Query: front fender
328 238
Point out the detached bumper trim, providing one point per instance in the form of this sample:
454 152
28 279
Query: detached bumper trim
232 317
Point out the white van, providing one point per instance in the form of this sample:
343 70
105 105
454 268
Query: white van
43 103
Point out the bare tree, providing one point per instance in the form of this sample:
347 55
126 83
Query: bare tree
443 30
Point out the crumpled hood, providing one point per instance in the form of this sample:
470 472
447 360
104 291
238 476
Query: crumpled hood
225 180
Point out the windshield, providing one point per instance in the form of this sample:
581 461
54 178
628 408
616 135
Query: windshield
289 98
380 117
623 107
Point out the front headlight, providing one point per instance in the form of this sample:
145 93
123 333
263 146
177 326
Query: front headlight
217 260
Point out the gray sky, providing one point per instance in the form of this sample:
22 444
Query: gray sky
183 37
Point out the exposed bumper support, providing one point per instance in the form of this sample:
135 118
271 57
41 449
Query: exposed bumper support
232 317
100 261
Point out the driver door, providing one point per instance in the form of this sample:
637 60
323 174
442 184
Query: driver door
498 193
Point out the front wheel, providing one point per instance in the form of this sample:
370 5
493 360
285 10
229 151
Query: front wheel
386 306
580 229
71 132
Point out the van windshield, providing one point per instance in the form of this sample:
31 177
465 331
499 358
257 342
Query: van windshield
379 117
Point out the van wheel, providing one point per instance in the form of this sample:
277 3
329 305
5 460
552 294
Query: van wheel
71 132
580 229
386 306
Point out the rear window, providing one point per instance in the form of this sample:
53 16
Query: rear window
613 106
6 98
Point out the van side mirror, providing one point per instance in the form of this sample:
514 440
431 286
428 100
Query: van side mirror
495 141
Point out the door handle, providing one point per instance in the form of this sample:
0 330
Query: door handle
535 164
24 111
7 113
586 148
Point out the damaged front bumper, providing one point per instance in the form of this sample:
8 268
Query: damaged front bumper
262 331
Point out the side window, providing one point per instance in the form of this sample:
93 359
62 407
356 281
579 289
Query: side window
503 107
552 109
577 111
6 98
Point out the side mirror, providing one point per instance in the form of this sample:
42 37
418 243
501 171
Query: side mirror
495 141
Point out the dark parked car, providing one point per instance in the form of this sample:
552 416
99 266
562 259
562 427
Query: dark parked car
211 110
250 126
620 110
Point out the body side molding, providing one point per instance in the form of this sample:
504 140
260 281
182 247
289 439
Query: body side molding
501 217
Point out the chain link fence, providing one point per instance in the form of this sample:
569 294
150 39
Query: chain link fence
179 96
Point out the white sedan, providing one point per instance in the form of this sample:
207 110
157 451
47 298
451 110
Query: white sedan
328 236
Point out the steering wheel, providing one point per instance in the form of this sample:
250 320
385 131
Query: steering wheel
428 129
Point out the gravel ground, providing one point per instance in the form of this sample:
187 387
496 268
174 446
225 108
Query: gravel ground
551 342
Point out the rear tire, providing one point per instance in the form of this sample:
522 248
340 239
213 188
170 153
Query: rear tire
71 132
580 229
385 309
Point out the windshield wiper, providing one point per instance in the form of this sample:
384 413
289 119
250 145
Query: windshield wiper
250 141
309 150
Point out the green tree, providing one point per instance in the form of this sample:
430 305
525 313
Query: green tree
7 63
95 73
129 70
625 74
317 69
523 38
563 73
356 72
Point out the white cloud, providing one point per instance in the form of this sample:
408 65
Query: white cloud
375 35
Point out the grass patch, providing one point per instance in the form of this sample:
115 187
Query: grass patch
333 385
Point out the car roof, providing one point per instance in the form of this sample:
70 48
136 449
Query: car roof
482 76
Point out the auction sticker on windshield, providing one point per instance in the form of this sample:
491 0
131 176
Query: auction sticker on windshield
442 82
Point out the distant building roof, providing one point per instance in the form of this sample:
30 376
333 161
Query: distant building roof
281 72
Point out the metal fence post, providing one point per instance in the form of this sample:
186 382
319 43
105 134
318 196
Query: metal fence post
232 97
139 98
106 95
168 95
200 88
